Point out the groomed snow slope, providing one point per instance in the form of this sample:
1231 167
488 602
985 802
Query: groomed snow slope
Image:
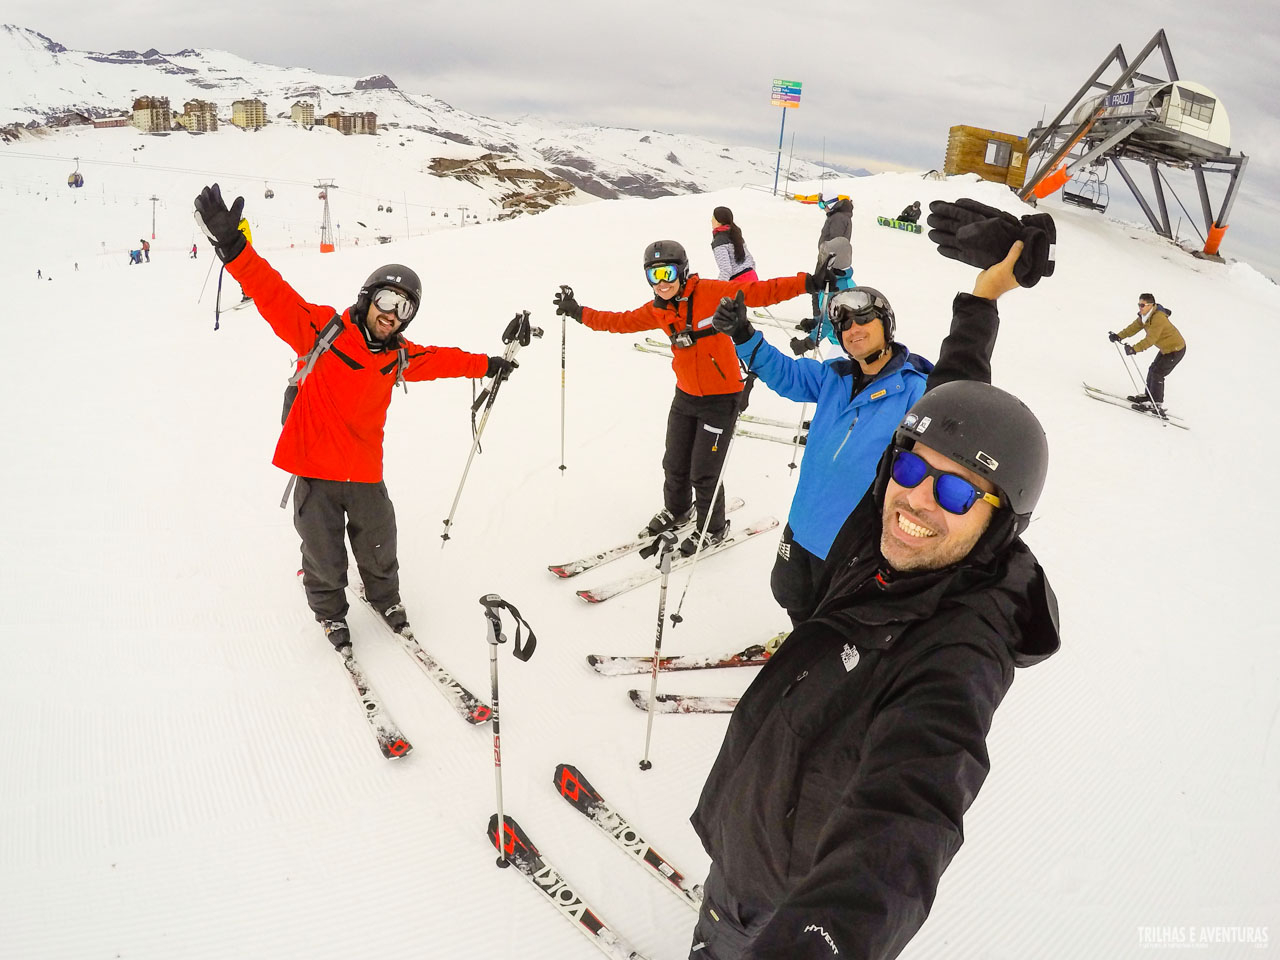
186 773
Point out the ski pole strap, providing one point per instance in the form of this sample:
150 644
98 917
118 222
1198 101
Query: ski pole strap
519 330
493 604
665 541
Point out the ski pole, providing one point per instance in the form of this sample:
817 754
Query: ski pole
206 279
516 335
1131 365
663 546
1125 361
564 322
795 444
493 607
697 555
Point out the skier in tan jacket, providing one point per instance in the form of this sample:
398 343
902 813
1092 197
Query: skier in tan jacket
1153 321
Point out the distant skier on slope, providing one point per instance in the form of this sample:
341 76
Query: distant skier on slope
730 250
860 399
1153 320
333 426
146 250
704 410
838 223
838 796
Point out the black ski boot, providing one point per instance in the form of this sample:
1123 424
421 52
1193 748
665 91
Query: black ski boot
395 618
337 633
664 519
689 546
1139 398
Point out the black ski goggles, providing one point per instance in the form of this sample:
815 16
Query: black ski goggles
952 492
855 306
391 300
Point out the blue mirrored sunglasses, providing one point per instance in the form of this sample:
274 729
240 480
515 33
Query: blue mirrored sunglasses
662 273
952 492
390 300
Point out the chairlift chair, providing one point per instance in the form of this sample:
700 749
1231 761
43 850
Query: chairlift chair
268 193
379 208
1088 189
388 208
75 179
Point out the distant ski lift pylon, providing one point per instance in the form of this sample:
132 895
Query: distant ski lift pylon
1088 189
76 179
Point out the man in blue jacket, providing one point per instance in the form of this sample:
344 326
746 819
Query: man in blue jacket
861 398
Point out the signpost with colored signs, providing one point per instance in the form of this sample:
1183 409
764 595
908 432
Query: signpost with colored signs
785 93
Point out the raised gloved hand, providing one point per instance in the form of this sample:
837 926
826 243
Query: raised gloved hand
731 318
1113 337
566 306
500 367
823 275
801 345
1128 349
981 236
221 225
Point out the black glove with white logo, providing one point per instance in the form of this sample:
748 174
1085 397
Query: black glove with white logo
500 367
220 224
566 306
731 318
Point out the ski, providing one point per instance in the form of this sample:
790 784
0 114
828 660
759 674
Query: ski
643 348
753 656
1105 397
899 224
782 323
679 703
468 706
753 435
609 590
1116 396
524 856
663 344
391 741
788 424
584 798
575 567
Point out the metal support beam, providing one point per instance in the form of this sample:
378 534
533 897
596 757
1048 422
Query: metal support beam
1105 145
1137 194
1233 188
1205 205
1159 188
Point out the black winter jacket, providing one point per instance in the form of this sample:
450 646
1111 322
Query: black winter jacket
838 796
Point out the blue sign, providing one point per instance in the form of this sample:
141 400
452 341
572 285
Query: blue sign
1123 99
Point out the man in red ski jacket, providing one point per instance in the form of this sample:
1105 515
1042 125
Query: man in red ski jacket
335 412
704 410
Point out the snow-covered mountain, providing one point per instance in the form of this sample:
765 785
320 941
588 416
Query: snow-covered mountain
42 80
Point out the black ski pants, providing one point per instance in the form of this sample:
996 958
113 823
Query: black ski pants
321 509
794 579
698 433
1160 368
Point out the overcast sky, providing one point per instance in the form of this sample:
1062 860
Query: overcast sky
882 82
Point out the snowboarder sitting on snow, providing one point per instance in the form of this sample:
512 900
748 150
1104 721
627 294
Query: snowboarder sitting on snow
911 214
838 796
332 436
1153 320
860 397
704 410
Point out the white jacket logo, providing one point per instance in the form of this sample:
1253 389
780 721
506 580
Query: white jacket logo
813 928
849 657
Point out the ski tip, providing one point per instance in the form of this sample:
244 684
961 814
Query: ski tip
635 695
588 596
594 659
395 749
559 571
480 713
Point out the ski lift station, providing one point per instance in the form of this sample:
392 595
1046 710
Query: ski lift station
1135 119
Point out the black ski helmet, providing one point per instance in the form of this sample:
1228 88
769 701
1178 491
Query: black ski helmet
991 432
668 251
396 276
866 298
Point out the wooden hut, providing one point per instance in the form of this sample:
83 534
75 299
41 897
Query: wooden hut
992 155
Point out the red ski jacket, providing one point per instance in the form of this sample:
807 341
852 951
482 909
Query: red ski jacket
710 366
334 430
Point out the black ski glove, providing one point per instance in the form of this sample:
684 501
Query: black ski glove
981 236
801 345
500 367
1128 349
566 306
219 224
823 276
731 318
1113 337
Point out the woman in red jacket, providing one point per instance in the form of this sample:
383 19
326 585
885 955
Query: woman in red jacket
333 425
705 408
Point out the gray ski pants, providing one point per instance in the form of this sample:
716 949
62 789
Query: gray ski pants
321 508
